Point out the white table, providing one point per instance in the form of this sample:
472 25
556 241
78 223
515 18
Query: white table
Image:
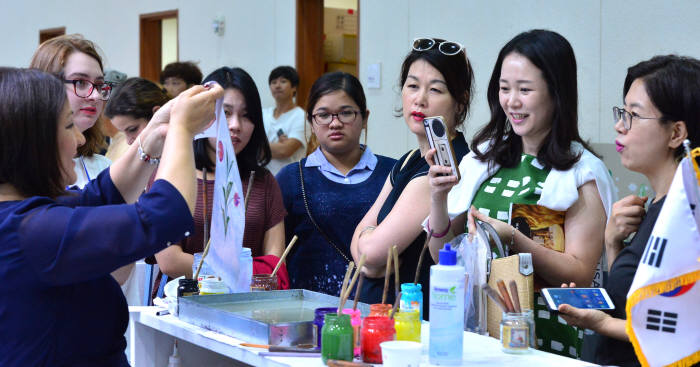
153 338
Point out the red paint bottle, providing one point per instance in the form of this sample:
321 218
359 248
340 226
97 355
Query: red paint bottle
375 330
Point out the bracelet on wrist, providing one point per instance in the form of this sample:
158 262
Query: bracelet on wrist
443 233
368 228
146 157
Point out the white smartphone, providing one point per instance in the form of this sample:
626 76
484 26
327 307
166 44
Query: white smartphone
439 139
595 298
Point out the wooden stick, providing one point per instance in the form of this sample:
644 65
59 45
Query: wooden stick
251 345
344 286
504 293
495 297
396 306
204 254
514 294
354 278
284 254
205 239
397 282
387 272
422 255
357 291
247 191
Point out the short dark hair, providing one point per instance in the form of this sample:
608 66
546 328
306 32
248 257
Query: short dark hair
136 98
31 103
256 154
673 85
332 82
187 71
552 54
457 71
286 72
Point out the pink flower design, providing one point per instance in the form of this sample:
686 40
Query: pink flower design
236 199
221 151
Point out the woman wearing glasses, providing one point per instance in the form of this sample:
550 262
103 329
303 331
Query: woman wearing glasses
436 80
530 152
327 193
661 110
76 61
60 307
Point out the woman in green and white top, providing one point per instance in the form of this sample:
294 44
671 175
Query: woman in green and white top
530 152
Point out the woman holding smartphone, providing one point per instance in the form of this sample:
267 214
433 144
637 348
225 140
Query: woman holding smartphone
436 80
661 110
530 152
335 185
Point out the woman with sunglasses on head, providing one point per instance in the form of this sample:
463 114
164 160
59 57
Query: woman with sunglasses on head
661 109
530 152
59 304
264 225
436 80
335 185
76 60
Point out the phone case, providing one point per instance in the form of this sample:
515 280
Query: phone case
438 137
608 305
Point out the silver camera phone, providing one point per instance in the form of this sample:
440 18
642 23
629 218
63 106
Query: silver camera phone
439 139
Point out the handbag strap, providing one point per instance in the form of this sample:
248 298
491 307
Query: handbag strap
308 212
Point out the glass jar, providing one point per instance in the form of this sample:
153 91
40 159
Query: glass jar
412 298
380 309
319 315
187 287
375 330
263 282
407 326
336 338
515 332
356 322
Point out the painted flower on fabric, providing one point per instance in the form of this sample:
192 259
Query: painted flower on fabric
236 199
221 151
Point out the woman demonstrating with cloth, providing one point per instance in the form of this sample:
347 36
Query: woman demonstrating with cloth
531 153
60 306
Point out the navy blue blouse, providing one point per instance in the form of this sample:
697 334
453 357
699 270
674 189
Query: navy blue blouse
59 306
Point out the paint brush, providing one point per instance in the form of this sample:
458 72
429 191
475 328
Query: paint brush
201 261
397 282
247 191
354 277
422 255
504 293
387 272
514 294
495 297
284 255
396 306
348 271
357 291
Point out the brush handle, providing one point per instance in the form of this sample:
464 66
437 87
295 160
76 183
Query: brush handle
514 294
284 255
397 281
495 297
504 293
387 272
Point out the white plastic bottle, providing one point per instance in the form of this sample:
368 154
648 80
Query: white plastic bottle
446 309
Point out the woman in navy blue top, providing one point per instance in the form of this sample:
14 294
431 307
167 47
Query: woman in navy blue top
59 304
341 181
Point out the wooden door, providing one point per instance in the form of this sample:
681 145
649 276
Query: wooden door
150 38
309 50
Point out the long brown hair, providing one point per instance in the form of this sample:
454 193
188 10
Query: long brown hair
51 57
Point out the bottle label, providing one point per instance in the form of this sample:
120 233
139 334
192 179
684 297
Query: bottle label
446 321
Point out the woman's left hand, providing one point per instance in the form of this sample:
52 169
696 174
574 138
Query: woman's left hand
504 230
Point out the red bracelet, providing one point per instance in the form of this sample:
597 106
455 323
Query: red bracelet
444 233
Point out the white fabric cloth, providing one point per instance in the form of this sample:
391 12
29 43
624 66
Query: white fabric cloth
292 125
560 189
87 168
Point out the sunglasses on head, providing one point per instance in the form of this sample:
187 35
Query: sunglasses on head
448 48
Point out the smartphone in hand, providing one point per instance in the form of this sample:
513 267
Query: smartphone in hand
594 298
439 139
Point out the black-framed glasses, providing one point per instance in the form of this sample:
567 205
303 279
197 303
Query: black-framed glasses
83 88
448 48
344 116
626 117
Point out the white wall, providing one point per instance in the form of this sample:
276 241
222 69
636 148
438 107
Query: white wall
607 35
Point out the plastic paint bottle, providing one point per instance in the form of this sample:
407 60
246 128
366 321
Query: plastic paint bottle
412 298
407 326
376 330
446 309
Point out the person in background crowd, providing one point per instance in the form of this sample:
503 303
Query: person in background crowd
179 76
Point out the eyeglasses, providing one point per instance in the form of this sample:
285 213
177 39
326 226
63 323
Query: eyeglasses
83 88
325 118
448 48
626 117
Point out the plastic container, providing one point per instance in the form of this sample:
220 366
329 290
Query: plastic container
212 286
245 261
336 338
380 309
401 354
319 317
515 332
356 322
263 282
412 298
407 326
375 330
446 309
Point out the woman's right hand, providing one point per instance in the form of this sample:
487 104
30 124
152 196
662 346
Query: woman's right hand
194 108
625 218
440 178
